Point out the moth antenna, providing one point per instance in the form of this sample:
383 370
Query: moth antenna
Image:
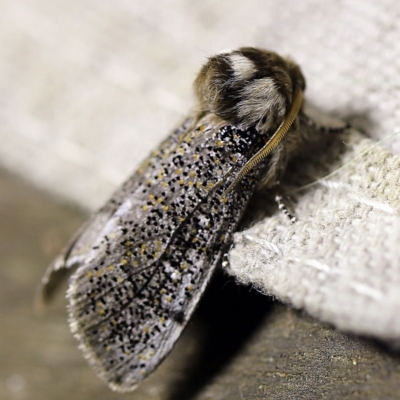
272 142
345 165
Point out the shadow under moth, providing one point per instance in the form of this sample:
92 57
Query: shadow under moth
142 262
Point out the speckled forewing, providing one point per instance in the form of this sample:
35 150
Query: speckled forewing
145 258
144 274
78 247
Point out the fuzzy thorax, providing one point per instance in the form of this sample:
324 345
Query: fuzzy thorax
248 87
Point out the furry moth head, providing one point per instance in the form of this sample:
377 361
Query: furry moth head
248 87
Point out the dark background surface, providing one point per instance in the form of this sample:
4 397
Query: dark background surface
240 344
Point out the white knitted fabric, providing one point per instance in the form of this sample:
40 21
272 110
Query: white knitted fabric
340 260
88 88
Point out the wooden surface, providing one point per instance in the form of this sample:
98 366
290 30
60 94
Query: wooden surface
240 345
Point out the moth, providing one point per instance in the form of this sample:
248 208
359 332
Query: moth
142 262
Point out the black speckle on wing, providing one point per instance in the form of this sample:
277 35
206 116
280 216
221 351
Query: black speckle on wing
140 283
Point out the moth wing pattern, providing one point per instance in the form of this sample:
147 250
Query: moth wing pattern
167 227
144 260
73 254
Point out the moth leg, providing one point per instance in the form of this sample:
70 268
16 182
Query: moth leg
314 121
338 129
225 264
279 200
284 209
331 128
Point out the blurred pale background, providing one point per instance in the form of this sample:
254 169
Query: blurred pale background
87 89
